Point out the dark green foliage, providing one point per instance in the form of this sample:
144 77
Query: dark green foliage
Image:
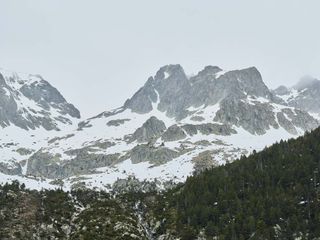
268 195
49 214
106 219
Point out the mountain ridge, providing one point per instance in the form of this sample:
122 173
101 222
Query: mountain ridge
173 126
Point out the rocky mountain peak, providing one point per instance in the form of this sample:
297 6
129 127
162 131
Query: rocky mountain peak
29 102
249 81
170 84
172 71
210 70
175 92
281 90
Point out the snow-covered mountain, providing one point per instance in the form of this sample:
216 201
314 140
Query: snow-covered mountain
304 95
31 111
173 126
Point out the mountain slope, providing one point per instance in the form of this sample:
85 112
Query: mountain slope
172 126
31 111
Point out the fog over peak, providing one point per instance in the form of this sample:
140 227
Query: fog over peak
305 82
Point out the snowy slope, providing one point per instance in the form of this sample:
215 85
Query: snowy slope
163 134
173 126
224 148
31 113
304 95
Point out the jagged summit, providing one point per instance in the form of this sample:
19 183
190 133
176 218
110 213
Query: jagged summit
176 92
169 86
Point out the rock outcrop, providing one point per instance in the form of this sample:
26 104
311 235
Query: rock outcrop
150 130
43 164
157 156
173 133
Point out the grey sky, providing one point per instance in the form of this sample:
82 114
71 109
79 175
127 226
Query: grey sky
98 53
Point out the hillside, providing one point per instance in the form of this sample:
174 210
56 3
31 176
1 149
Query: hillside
273 194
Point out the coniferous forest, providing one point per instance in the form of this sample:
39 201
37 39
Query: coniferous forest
273 194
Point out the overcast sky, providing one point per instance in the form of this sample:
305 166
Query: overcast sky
99 52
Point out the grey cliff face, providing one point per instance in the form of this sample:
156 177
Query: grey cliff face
256 118
210 89
141 102
176 93
171 85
